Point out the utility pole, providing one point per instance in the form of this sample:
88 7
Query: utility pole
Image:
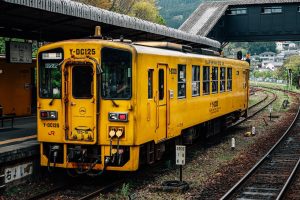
289 78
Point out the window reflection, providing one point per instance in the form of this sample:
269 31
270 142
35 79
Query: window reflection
116 76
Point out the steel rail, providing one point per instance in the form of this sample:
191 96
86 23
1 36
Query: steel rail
98 191
88 196
47 193
253 169
255 113
283 190
259 102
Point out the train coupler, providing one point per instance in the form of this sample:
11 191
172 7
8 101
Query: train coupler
76 154
54 152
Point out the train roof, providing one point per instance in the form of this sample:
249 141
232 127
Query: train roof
166 52
142 49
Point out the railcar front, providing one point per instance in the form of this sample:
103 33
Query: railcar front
85 106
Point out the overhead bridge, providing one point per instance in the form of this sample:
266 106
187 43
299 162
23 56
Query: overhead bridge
53 20
247 20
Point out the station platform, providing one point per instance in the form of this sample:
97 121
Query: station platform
20 141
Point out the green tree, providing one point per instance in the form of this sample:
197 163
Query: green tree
254 48
105 4
293 63
281 73
2 45
143 9
260 47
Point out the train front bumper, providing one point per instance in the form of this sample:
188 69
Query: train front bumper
70 156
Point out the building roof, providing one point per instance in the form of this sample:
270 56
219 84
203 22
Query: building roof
205 17
42 17
267 53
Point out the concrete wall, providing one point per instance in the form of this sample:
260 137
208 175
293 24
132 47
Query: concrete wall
16 88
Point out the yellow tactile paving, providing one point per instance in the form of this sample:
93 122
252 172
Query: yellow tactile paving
18 139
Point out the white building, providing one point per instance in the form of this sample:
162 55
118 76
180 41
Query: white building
280 46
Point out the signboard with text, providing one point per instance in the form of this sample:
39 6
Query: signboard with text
18 52
180 155
17 172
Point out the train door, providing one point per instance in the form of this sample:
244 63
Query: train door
81 102
161 107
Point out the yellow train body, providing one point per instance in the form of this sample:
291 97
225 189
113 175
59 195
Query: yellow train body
166 96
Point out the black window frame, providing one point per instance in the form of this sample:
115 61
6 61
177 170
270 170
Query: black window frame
206 82
181 81
222 79
196 80
161 84
150 83
237 11
74 82
131 67
215 80
229 79
271 10
58 61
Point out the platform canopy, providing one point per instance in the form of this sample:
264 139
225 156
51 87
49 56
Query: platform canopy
54 20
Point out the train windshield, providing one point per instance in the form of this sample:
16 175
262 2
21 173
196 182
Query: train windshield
116 76
50 75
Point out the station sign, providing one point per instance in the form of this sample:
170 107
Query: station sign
18 52
17 172
180 155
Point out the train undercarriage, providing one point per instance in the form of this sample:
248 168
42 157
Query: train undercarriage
84 159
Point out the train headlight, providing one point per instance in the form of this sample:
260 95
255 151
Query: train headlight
112 132
119 133
48 115
116 131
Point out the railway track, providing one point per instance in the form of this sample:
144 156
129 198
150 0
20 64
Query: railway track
81 190
101 189
255 111
110 185
259 102
271 176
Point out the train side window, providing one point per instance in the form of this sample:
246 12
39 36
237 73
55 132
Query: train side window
196 81
206 80
229 79
222 79
150 83
181 81
215 79
161 86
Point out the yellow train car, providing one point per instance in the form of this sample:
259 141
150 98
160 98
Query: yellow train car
107 105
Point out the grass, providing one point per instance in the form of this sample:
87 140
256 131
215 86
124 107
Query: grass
125 190
277 105
274 85
253 99
225 157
